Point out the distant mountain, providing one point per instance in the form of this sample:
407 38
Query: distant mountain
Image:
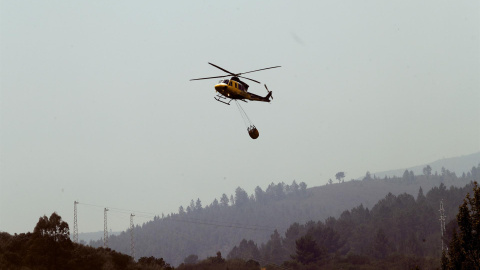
459 165
93 236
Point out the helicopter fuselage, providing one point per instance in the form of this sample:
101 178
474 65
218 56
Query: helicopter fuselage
234 89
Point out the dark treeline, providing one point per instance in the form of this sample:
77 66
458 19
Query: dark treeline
399 232
203 229
50 247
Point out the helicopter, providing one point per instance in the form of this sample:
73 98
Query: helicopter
236 89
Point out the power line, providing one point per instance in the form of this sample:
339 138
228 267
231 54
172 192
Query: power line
223 224
191 220
117 209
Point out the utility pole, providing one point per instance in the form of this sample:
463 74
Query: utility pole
75 224
132 240
105 231
442 224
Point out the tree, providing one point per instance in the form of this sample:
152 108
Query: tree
216 260
241 197
330 181
152 262
291 235
191 259
181 211
464 251
326 238
191 206
215 203
420 197
120 260
279 191
408 176
50 244
273 250
224 200
294 187
307 250
259 194
198 205
368 176
380 244
246 250
303 188
476 172
427 171
339 176
52 227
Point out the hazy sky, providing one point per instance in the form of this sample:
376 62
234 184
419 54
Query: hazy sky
97 106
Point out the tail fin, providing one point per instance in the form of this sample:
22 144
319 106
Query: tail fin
269 96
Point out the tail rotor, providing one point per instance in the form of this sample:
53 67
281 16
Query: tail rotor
269 92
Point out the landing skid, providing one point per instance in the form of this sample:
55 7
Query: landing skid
219 97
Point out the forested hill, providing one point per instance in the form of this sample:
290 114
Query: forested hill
219 226
399 232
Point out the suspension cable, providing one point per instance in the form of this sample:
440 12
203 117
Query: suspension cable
244 115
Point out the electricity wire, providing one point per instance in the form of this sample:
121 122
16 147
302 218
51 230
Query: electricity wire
226 225
210 222
143 214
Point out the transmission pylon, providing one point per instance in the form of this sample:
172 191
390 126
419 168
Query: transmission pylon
75 224
442 224
132 240
105 231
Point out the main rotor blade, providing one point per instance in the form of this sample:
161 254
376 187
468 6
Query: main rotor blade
249 79
210 78
257 70
233 74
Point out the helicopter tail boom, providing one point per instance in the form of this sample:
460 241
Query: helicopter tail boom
267 98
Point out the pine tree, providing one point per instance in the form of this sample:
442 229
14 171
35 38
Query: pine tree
464 251
224 200
307 250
